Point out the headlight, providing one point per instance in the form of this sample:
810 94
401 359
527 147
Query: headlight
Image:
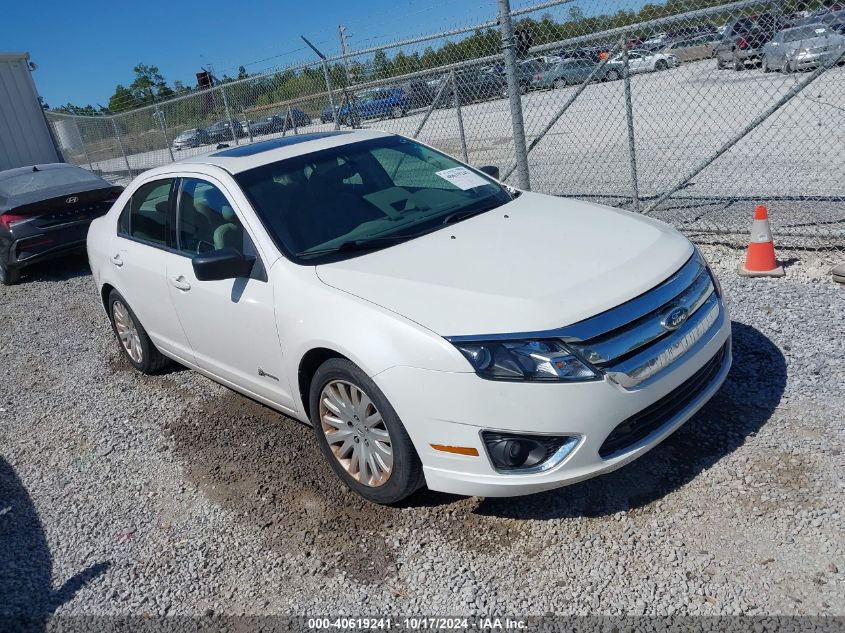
533 360
716 285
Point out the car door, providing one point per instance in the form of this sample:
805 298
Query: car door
637 62
140 252
230 324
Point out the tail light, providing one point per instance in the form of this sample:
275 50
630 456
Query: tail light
537 77
742 43
7 220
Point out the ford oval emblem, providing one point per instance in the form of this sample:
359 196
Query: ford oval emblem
674 319
72 200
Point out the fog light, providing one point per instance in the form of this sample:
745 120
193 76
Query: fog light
527 453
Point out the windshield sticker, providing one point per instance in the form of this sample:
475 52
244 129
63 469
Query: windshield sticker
462 178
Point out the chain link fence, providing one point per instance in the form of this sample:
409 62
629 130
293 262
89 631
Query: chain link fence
691 111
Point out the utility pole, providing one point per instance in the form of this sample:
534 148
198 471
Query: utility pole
335 111
344 51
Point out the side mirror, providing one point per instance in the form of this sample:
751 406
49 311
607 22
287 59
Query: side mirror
226 263
490 170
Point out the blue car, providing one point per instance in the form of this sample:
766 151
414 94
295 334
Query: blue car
377 104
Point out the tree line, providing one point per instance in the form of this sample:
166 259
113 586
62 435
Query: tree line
150 87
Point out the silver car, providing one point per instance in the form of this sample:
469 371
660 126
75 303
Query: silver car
802 47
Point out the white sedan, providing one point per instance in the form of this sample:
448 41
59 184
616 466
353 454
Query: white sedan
434 326
640 61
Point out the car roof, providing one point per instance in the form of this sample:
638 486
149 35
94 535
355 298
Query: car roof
244 157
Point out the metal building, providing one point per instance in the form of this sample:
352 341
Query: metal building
24 136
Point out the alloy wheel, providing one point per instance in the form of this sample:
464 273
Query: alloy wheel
127 332
356 433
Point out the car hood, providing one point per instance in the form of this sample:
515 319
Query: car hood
813 42
536 263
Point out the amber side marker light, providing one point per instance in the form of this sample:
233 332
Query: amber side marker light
458 450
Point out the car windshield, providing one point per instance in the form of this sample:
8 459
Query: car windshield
367 195
34 181
804 33
187 134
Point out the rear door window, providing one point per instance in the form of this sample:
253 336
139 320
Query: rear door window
145 215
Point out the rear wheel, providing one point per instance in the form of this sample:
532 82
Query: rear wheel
396 112
9 276
559 83
133 338
612 75
360 434
661 65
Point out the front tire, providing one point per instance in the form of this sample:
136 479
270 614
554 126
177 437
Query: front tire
661 65
133 338
396 112
360 434
9 276
559 84
612 75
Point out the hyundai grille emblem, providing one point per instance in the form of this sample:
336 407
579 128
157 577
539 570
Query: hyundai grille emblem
72 200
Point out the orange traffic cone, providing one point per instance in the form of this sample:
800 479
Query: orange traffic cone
760 260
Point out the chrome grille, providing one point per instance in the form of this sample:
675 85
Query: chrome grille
654 417
632 342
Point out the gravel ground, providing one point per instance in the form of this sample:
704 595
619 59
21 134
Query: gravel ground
125 494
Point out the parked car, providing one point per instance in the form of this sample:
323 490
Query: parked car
326 275
327 114
222 131
376 104
474 84
743 40
833 20
655 43
802 47
639 61
526 72
45 211
293 118
419 93
693 48
191 138
258 127
568 72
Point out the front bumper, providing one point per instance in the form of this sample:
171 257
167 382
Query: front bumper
453 408
805 61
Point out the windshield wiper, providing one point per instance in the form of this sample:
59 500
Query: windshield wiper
457 216
368 244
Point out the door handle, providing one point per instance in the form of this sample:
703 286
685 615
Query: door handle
117 261
180 283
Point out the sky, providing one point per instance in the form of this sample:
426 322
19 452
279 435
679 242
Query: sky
83 50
